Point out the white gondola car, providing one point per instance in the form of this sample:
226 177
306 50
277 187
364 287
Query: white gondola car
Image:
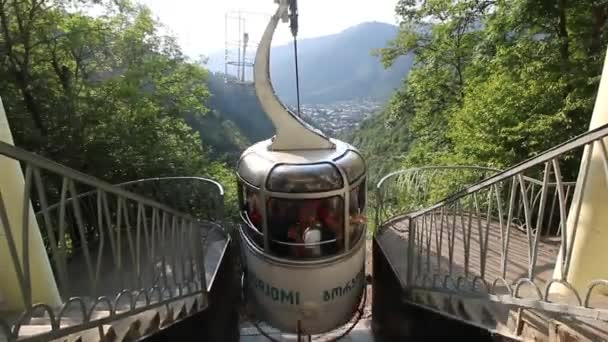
303 236
302 198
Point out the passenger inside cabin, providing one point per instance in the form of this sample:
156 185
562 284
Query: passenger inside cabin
318 221
252 209
252 206
356 217
313 238
282 214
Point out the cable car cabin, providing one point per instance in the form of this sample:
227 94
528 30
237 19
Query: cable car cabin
303 234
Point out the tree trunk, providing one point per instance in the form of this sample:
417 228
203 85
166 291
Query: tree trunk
19 69
599 21
562 34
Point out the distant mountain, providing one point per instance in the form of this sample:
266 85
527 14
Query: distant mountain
336 67
333 68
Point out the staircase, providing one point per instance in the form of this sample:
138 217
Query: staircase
494 249
128 260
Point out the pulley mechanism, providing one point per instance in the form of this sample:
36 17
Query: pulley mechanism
293 17
293 25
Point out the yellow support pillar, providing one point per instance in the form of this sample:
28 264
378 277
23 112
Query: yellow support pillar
43 285
590 246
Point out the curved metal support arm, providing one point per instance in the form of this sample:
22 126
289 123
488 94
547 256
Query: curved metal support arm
292 132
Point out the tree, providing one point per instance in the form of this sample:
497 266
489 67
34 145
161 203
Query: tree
496 82
105 94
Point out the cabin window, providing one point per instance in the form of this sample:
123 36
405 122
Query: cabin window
253 168
251 212
240 193
353 165
306 229
291 178
357 213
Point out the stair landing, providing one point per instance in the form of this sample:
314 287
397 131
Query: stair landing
513 321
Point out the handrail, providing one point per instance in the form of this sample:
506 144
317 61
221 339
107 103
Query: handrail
219 186
247 220
451 167
304 244
420 177
433 168
51 166
141 181
552 153
417 184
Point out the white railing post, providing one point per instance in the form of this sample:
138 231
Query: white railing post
587 224
39 286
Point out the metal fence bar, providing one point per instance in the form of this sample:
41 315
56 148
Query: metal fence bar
48 165
13 250
25 238
577 209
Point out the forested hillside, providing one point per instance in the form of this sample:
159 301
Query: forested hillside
239 103
235 119
494 82
106 94
383 142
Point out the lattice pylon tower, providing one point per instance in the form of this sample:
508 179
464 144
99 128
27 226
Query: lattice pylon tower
240 46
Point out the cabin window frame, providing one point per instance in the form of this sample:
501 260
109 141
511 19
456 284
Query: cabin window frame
349 244
282 245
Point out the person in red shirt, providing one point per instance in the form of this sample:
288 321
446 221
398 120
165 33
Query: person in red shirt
253 210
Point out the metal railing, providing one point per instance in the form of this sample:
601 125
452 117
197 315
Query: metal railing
115 251
505 238
408 190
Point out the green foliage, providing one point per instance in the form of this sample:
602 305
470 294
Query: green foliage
235 120
385 139
239 104
493 82
107 94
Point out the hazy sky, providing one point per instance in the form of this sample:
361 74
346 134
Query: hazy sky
199 24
